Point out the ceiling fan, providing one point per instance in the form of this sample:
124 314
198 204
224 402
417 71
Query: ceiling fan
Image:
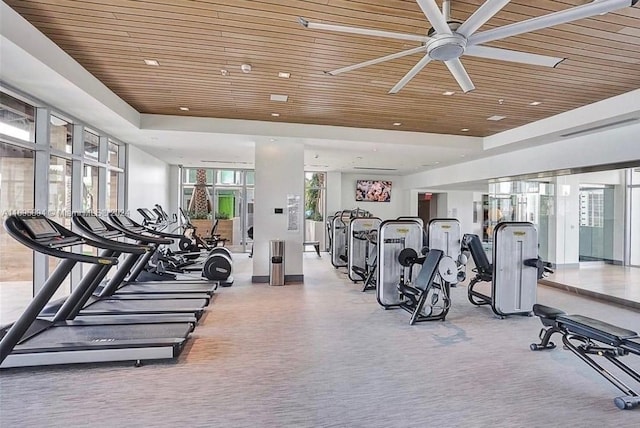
448 39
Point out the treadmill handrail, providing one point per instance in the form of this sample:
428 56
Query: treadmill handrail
156 232
121 247
137 236
14 227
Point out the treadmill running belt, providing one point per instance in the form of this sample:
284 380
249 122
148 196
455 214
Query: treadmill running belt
150 287
146 306
76 334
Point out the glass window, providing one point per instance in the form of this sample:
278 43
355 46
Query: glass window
60 190
17 118
60 208
229 177
114 150
191 175
113 178
635 176
634 233
90 188
91 144
250 178
314 206
16 261
61 134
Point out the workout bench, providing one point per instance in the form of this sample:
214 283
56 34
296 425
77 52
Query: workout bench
580 334
316 245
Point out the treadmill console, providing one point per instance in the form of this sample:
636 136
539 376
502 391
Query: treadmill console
39 228
94 224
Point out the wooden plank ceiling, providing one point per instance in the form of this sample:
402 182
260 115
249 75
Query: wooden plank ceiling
193 40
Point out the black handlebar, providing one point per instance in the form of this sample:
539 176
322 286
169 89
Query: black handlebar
107 237
151 239
15 227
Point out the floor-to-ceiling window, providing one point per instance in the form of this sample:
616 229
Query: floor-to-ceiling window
315 186
16 260
220 198
633 237
49 164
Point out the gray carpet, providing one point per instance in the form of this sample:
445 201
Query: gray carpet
324 354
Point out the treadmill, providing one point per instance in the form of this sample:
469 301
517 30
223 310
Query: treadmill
100 230
85 302
35 340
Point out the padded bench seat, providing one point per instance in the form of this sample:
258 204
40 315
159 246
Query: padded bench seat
596 329
547 314
632 345
316 245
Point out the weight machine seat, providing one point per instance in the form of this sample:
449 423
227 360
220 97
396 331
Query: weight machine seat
425 276
480 259
362 273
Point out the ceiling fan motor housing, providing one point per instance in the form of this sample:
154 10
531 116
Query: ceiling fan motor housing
444 47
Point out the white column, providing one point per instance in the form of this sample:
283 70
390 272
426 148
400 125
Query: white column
279 173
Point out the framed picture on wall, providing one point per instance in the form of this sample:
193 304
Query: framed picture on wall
373 191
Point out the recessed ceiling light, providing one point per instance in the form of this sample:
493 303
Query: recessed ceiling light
284 75
279 98
275 114
224 72
448 93
397 123
151 62
462 156
496 118
184 108
535 103
465 130
272 139
375 150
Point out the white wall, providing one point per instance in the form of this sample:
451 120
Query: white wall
148 180
616 145
460 206
274 182
382 210
334 192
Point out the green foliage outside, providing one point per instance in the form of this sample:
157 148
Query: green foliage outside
313 193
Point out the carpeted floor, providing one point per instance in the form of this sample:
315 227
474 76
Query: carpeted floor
324 354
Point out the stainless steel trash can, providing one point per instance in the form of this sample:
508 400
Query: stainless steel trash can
276 262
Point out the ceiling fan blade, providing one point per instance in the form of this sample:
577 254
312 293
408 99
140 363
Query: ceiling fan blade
435 16
513 56
549 20
362 31
480 16
410 75
378 60
460 74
